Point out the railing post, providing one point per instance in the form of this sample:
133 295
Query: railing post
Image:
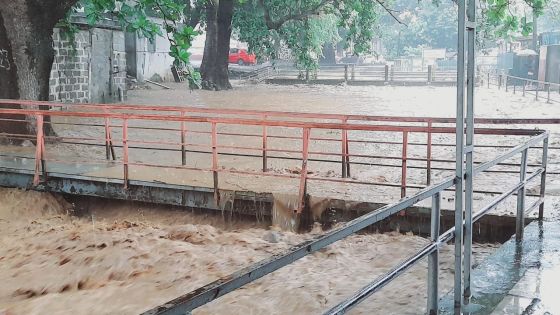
469 147
303 180
433 259
544 165
183 141
520 218
514 87
344 148
345 73
353 73
506 82
403 167
386 73
524 86
429 155
548 93
215 163
39 151
537 92
125 152
499 81
488 81
430 74
264 147
392 73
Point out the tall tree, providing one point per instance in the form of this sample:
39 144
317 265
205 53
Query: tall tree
214 67
26 45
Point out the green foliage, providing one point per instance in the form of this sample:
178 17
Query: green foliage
68 29
305 27
133 15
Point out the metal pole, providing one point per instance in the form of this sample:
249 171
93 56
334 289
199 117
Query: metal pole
215 163
303 180
344 152
520 218
403 166
543 176
429 155
345 73
471 30
183 141
548 93
107 149
537 92
264 147
38 149
488 80
433 259
459 158
386 73
125 152
499 81
524 86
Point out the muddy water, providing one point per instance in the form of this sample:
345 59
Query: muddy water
121 258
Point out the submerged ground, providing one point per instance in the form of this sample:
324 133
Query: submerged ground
122 258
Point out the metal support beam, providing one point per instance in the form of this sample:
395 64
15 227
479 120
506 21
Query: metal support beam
433 258
459 143
543 176
471 33
520 218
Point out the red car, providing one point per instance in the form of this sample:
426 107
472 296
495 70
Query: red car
241 57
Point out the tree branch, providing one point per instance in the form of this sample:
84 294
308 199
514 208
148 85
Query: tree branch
391 12
274 25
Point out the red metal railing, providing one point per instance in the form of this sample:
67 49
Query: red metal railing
304 122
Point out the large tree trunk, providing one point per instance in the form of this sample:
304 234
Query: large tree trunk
214 67
26 53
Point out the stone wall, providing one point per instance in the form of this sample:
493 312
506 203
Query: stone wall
72 79
70 70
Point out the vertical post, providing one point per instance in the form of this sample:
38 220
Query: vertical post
353 73
346 73
499 81
386 73
303 180
109 149
506 83
537 91
433 259
183 141
215 163
459 158
39 150
467 248
392 73
429 155
107 139
488 81
404 166
548 93
514 86
520 218
264 147
430 74
344 151
125 152
544 164
524 86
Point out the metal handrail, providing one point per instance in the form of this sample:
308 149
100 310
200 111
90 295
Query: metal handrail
203 295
